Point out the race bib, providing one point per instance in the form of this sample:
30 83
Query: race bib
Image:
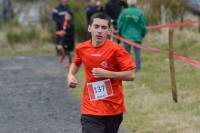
100 89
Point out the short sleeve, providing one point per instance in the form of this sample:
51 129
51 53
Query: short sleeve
124 60
77 57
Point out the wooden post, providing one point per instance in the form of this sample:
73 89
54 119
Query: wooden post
199 24
171 64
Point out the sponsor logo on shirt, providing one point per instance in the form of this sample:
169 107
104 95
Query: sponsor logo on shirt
97 55
104 64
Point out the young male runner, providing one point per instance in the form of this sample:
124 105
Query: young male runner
106 64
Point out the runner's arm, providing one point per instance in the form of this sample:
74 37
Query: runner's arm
71 79
123 75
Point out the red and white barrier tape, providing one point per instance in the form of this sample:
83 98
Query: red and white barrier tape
177 25
190 61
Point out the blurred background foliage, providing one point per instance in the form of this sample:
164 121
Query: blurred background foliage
32 19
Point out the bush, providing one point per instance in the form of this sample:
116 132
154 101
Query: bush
79 18
21 36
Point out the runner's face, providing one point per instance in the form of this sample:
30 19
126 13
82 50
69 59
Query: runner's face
99 30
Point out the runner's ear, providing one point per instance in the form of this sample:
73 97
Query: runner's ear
89 28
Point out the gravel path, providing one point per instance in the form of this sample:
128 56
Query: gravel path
34 98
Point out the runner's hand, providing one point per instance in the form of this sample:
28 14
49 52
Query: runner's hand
60 33
60 47
68 16
72 81
100 73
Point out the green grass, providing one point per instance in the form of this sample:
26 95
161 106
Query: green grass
28 49
150 108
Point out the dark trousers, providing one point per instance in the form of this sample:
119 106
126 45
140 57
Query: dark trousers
101 124
137 55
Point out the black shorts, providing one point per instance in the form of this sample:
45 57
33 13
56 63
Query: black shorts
67 42
62 53
101 124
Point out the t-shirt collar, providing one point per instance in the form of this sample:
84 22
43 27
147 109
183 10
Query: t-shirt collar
99 45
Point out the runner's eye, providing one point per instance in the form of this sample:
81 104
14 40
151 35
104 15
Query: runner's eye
104 27
96 26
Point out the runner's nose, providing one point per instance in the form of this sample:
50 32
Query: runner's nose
99 30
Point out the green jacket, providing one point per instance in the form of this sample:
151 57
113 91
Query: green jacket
132 24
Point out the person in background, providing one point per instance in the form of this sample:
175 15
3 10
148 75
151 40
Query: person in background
132 26
113 8
63 17
106 65
99 5
92 7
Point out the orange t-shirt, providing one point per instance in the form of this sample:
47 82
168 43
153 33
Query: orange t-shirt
109 56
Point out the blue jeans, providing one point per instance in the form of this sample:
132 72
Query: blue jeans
137 55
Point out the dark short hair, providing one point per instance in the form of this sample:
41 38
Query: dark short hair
100 15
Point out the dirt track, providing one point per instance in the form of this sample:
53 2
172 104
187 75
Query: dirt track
34 97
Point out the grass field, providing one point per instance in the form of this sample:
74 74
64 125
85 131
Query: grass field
150 108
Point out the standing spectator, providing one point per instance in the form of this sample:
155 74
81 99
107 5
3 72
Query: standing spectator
113 8
132 26
93 7
63 17
106 64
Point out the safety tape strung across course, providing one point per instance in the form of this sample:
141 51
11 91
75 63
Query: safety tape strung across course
177 25
177 55
192 62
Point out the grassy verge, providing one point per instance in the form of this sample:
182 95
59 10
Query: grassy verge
18 41
28 50
150 108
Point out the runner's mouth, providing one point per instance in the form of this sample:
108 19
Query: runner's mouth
99 37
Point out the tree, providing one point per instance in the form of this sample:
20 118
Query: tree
169 10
